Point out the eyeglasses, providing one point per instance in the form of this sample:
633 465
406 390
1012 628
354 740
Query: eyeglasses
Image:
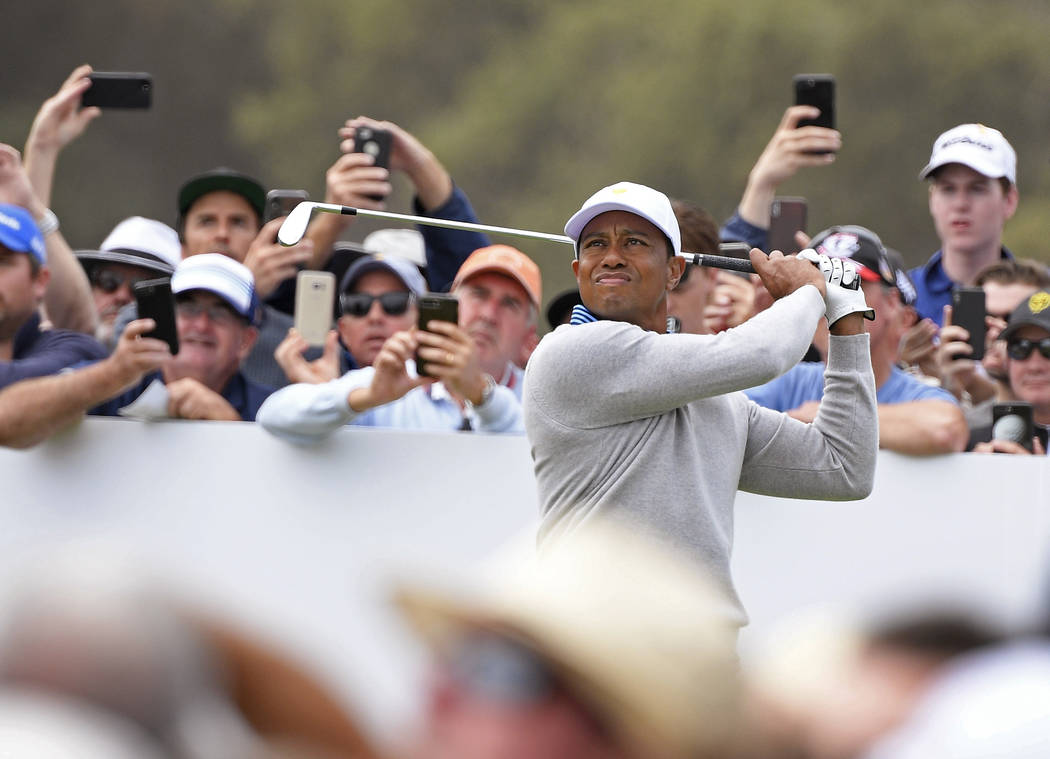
109 281
1021 349
359 304
217 312
499 669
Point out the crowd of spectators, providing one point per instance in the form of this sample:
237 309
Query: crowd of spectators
551 664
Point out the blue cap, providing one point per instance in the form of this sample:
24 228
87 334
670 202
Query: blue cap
18 232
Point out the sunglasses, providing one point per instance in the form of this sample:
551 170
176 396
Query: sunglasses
217 313
1021 349
110 281
359 304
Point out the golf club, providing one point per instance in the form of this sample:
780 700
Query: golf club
294 227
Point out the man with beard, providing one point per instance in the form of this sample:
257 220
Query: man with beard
474 382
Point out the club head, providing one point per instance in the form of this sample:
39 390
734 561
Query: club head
295 224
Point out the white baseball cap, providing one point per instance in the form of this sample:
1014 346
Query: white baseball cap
982 148
646 202
402 243
230 280
141 242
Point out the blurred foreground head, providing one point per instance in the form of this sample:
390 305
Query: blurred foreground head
605 645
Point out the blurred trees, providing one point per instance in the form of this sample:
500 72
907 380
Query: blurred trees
533 105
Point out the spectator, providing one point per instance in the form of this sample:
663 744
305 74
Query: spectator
576 655
26 348
559 310
377 299
973 192
137 249
354 180
480 385
611 389
1006 284
914 418
689 299
1027 337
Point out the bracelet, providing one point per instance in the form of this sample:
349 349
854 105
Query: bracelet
48 223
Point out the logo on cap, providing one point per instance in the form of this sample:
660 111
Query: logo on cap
1039 302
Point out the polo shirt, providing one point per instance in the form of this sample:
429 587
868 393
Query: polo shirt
933 287
40 352
244 395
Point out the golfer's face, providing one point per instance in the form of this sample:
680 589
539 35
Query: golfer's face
624 270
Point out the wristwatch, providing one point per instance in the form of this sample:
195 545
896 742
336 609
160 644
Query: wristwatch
486 394
47 223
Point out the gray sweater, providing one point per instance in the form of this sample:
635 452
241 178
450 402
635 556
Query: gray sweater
648 426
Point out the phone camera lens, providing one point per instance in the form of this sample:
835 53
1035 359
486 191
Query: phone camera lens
363 133
372 148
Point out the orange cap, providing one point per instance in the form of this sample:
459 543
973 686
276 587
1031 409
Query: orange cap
503 259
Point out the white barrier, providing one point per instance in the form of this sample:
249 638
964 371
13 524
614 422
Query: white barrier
299 542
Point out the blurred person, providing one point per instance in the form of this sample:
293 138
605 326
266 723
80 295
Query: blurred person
973 193
626 420
605 645
137 249
377 297
354 180
914 418
559 310
27 349
213 315
1006 285
689 299
1027 339
475 382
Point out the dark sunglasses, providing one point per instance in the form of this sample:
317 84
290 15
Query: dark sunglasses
109 281
359 304
1021 349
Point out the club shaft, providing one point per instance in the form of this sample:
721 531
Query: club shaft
698 259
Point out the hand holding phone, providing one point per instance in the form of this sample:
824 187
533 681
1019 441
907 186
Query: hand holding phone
1013 421
155 301
435 307
817 90
118 89
968 312
314 305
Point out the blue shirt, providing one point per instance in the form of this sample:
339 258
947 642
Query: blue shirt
37 352
934 288
737 229
447 249
244 395
805 382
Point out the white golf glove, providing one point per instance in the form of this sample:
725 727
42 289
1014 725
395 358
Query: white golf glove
844 295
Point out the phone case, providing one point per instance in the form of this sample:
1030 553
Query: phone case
1013 421
786 216
435 307
816 90
156 302
119 89
314 305
281 202
968 310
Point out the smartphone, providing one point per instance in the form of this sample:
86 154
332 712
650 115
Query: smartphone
968 311
118 89
435 307
156 302
786 217
375 142
1013 421
314 304
281 202
816 90
739 250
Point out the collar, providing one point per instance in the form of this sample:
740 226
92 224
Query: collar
581 315
934 276
26 335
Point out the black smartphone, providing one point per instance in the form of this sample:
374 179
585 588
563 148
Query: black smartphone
435 307
118 89
786 217
375 142
968 311
281 202
816 90
156 302
1013 421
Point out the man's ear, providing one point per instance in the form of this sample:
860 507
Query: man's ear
248 337
675 269
39 284
576 269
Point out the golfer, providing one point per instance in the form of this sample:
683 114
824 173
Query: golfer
629 421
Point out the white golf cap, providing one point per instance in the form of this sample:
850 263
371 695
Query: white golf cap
982 148
219 274
646 202
141 242
402 243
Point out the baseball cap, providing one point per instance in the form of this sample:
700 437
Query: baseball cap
18 232
401 268
982 148
648 203
141 242
219 274
638 631
1035 312
506 260
402 243
860 245
909 294
222 178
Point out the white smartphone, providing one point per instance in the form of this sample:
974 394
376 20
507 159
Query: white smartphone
314 305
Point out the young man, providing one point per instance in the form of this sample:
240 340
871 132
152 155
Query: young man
625 419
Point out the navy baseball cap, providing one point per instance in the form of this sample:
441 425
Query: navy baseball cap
19 233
